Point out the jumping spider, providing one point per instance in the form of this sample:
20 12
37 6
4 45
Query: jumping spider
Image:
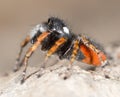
55 37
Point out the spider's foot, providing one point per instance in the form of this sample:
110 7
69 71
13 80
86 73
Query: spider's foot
41 72
17 66
22 81
23 78
65 75
39 75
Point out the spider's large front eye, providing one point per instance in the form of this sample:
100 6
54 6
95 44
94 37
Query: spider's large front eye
66 30
50 22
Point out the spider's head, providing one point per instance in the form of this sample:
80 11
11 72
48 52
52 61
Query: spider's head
58 25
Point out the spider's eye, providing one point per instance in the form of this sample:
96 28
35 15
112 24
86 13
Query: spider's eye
50 24
50 21
66 30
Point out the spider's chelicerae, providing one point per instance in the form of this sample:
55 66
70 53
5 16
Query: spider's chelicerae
55 37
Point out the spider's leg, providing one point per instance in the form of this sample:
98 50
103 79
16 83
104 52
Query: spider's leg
54 48
75 51
30 52
22 45
50 52
67 73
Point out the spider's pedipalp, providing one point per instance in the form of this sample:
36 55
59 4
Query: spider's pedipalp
38 29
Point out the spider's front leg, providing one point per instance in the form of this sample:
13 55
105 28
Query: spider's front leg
19 63
30 51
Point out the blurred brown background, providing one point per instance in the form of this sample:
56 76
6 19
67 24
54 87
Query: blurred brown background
96 18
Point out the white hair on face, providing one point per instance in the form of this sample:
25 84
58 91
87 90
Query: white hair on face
66 30
39 27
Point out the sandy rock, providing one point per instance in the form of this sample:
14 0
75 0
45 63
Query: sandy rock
81 83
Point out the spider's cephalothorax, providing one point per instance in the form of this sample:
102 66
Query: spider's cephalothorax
56 38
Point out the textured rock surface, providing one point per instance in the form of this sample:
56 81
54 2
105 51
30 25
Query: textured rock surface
99 83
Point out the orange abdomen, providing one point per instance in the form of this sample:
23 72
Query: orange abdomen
91 57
